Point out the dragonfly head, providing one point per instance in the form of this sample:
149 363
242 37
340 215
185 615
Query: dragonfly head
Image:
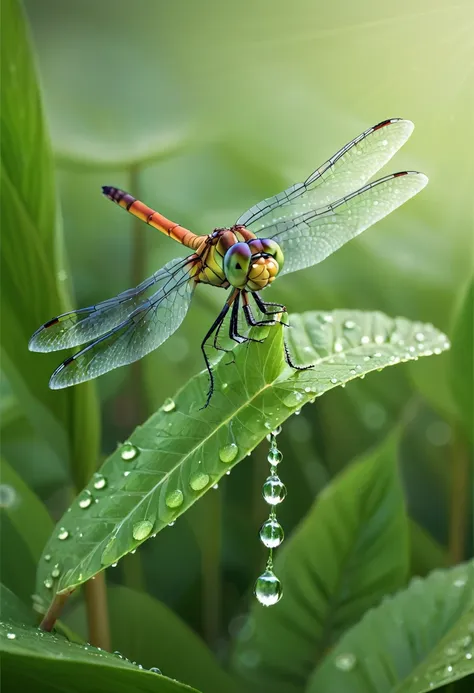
253 265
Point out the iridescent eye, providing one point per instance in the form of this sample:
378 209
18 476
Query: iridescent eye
236 264
272 248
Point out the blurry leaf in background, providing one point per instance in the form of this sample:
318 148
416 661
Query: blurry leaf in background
25 529
348 553
418 640
425 552
183 450
462 362
12 608
29 258
145 630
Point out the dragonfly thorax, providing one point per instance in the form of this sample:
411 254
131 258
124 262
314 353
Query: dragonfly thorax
253 265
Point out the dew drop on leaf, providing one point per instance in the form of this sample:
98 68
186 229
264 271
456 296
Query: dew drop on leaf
271 534
293 399
168 405
100 482
142 529
63 534
11 636
228 453
199 481
334 381
349 324
128 452
345 661
268 588
55 571
274 490
155 670
86 500
48 583
174 499
47 557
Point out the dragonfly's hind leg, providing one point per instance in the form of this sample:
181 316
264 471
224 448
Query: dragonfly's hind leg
215 327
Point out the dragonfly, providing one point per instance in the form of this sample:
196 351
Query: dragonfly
293 230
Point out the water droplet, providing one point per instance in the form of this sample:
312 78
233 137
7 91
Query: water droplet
199 481
345 661
468 655
293 399
224 386
11 636
63 534
228 453
100 482
128 452
274 490
174 499
379 339
142 529
352 371
55 571
268 588
86 500
460 582
274 456
127 473
7 496
349 324
365 339
271 534
420 337
338 346
114 565
215 487
327 318
47 557
276 431
155 670
48 583
168 405
334 381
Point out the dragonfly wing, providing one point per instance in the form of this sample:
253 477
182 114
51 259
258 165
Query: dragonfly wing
312 236
348 170
81 326
142 331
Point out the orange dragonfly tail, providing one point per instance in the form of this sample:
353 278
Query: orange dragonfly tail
152 218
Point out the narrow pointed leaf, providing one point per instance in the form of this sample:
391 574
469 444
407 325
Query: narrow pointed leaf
183 450
350 551
416 641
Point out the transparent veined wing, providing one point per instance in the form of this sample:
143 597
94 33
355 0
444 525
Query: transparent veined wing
348 170
81 326
145 328
312 236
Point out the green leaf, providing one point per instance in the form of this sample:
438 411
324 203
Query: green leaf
25 528
350 551
30 259
416 641
426 554
145 630
42 662
462 362
183 450
13 608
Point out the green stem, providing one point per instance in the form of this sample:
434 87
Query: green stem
54 611
97 612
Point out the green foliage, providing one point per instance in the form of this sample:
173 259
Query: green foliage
462 362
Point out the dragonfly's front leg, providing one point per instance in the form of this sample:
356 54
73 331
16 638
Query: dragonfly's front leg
249 316
264 305
216 325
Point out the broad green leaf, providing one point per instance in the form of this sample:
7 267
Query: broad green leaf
25 527
41 662
30 257
416 641
349 552
12 608
462 362
426 554
145 630
183 450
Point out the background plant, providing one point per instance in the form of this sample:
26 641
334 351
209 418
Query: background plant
201 110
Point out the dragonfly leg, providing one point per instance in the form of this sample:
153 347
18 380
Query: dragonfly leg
234 323
291 363
264 305
249 316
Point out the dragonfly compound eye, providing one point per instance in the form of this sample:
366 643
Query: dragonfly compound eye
236 264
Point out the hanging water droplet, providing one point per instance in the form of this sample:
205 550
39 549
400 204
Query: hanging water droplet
168 405
268 588
48 583
276 431
215 487
100 482
55 571
128 451
155 670
274 490
349 324
199 481
86 500
114 565
274 456
11 636
142 529
345 661
63 534
271 534
174 499
293 399
228 453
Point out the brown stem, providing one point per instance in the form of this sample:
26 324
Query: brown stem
54 611
97 612
460 485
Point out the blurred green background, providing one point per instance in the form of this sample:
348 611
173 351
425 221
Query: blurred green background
201 110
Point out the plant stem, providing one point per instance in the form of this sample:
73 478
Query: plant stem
460 486
97 612
54 611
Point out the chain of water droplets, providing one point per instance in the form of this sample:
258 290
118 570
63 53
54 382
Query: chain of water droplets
268 588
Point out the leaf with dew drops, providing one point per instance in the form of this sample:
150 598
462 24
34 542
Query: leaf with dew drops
175 448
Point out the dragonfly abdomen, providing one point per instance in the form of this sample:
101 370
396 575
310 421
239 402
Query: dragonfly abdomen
152 218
